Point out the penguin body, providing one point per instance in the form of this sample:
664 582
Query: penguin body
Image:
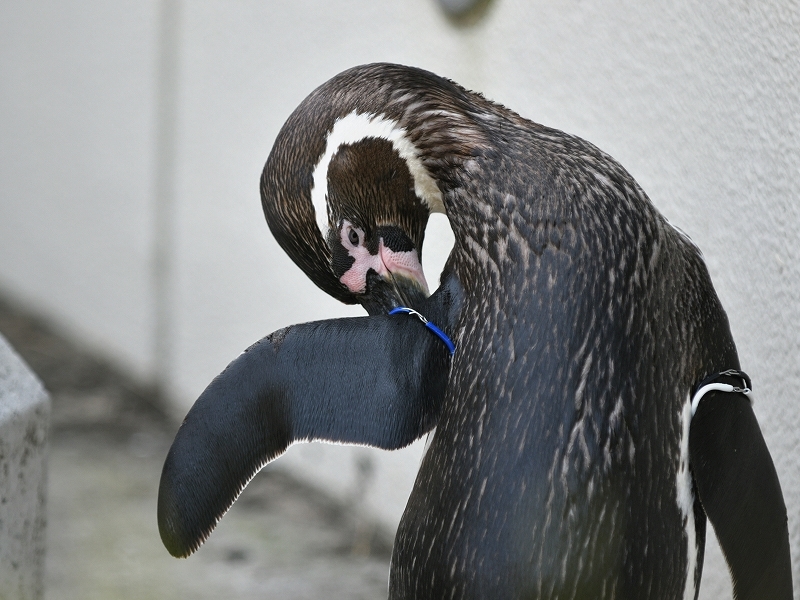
561 464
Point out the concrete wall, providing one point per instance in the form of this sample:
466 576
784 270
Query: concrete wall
24 423
133 135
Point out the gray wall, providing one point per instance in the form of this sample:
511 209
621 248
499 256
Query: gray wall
24 425
133 134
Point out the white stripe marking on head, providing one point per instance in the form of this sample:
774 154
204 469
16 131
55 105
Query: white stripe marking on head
355 127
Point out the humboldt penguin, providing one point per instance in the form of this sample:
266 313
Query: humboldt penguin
565 459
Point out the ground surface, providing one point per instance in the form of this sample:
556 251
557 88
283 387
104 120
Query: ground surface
108 442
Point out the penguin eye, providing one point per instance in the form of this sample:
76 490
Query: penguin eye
353 237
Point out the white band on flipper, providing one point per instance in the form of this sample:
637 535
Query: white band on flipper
716 387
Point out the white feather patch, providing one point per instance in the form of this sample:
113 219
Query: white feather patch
355 127
428 442
685 498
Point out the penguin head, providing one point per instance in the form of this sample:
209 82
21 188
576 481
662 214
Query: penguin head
376 225
358 168
351 208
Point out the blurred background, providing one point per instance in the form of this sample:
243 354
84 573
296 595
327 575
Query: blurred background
132 137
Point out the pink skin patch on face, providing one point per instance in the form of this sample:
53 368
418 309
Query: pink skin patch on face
385 263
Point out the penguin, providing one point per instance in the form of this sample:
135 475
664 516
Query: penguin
566 457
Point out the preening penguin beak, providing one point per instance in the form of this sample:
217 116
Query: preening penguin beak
393 278
383 273
409 288
404 269
385 293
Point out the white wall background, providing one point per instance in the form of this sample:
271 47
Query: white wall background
132 136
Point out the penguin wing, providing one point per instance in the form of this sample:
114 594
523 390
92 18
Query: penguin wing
740 492
376 381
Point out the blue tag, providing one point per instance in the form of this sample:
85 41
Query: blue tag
441 334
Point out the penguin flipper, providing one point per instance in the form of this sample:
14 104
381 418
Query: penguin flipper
376 381
741 495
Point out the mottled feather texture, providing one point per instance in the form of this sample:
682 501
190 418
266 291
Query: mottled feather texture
582 331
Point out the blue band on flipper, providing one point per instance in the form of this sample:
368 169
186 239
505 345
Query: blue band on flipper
439 333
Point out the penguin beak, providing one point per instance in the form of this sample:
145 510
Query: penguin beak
383 276
385 292
409 291
403 267
398 280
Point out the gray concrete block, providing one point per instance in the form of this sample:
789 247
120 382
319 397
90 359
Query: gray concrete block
24 421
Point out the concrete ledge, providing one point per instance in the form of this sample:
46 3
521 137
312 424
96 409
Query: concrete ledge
24 420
